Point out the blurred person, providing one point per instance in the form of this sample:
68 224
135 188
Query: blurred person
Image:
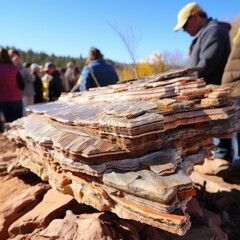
231 78
64 80
27 65
69 75
38 85
77 79
10 90
55 86
97 72
28 78
210 47
46 78
76 86
209 50
76 74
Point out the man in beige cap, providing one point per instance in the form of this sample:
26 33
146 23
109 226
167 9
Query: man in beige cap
211 45
186 14
210 49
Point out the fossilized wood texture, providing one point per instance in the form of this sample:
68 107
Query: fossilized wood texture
128 148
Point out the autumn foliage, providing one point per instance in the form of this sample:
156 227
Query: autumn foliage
152 65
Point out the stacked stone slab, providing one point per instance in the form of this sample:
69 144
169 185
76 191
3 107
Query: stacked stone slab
128 148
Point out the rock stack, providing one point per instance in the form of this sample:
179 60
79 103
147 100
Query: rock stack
128 148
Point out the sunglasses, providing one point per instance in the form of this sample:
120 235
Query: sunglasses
187 22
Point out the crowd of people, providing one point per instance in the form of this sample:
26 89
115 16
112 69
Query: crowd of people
25 84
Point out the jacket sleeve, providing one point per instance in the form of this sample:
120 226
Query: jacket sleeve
213 43
20 81
27 76
116 76
55 88
84 85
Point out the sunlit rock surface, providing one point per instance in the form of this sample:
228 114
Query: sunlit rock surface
127 148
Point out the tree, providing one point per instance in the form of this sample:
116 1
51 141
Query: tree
173 59
126 73
156 59
130 42
153 64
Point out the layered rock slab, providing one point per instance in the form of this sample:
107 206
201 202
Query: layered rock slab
111 155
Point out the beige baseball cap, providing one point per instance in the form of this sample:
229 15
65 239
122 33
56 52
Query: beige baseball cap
187 11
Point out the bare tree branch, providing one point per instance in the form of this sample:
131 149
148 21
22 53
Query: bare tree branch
129 40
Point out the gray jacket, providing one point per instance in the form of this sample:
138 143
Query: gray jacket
210 50
28 78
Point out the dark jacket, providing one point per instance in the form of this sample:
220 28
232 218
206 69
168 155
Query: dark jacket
38 87
20 81
231 76
104 73
55 87
210 50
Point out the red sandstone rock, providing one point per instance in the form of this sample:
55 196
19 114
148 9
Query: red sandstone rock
51 207
16 207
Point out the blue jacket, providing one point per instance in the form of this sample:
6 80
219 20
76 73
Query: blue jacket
104 73
210 50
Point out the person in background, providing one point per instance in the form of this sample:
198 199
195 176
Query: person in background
77 85
97 72
10 91
231 78
55 86
69 75
28 77
210 47
38 85
27 65
209 50
46 78
64 80
76 74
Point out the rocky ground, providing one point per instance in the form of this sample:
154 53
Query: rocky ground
30 209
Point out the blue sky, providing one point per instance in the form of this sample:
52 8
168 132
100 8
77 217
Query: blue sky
71 27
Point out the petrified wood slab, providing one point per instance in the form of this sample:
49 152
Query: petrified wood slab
100 116
123 110
147 184
220 92
199 116
174 223
152 83
145 123
141 90
178 73
91 191
170 74
172 105
105 146
215 102
161 162
82 145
